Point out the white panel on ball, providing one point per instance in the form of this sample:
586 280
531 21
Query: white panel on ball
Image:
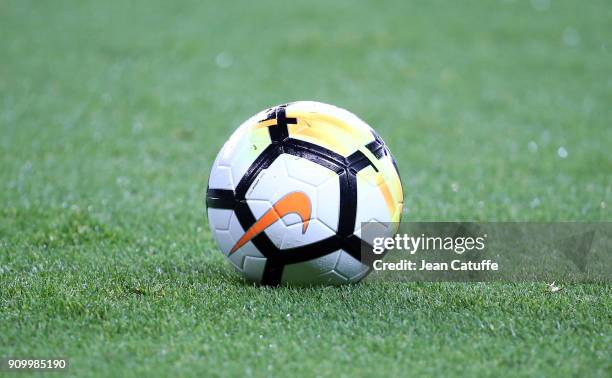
253 268
349 267
371 205
219 219
237 258
275 182
238 154
312 271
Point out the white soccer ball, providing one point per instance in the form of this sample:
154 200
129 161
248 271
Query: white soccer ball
290 189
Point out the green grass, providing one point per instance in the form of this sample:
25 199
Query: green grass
111 114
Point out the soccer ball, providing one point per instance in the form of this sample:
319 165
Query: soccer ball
290 189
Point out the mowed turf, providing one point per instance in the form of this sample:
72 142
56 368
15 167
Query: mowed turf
111 115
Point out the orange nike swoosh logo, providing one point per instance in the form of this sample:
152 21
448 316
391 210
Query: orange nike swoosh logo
293 203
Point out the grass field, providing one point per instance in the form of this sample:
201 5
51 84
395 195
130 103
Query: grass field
111 114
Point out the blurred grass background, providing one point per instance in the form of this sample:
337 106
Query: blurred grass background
111 114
